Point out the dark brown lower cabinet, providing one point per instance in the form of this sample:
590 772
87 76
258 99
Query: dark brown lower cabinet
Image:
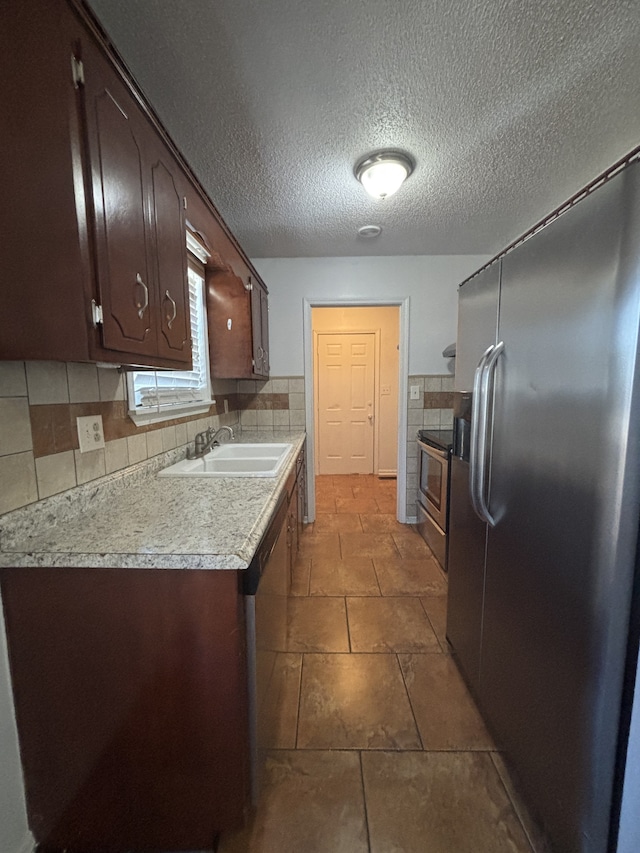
130 688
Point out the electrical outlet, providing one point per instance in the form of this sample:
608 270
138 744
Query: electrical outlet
385 390
90 433
415 392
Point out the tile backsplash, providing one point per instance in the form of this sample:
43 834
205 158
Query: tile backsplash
39 403
433 409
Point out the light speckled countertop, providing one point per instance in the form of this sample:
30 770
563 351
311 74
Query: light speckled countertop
135 519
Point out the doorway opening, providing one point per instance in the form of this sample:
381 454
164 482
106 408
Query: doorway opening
356 361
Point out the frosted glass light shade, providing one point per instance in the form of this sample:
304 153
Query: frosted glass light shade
384 173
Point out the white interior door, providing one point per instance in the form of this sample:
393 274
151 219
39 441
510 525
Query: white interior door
346 388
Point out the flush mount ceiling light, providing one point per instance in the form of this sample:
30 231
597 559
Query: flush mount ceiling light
383 173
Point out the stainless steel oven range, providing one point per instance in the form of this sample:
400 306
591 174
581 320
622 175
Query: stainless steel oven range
434 453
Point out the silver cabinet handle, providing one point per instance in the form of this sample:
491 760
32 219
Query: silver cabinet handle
142 307
476 411
487 375
175 309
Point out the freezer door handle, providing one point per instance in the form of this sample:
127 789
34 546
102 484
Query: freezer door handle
486 401
475 459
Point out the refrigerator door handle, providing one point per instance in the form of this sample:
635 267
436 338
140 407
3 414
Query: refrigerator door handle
488 373
476 416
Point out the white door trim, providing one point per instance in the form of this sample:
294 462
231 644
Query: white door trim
403 380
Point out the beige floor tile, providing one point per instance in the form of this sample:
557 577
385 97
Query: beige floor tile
409 577
317 625
411 545
368 545
325 504
278 713
314 544
354 702
312 802
437 612
389 625
438 803
301 576
446 714
381 522
328 522
350 576
386 505
363 504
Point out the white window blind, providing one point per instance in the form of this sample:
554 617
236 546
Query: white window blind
160 394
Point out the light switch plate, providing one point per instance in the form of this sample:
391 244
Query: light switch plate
385 390
90 433
415 392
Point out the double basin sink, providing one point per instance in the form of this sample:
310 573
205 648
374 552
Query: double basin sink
233 460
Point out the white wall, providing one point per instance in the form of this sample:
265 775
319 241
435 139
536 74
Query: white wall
429 281
14 834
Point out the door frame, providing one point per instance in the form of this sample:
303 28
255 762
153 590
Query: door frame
308 303
376 386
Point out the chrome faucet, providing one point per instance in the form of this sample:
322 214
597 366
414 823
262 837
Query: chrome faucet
204 441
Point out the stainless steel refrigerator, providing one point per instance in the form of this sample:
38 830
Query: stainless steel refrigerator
544 515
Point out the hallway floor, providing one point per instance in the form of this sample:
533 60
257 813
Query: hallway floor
375 743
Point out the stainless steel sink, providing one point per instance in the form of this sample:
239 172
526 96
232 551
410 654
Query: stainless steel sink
233 460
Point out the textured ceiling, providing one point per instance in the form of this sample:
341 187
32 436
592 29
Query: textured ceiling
507 106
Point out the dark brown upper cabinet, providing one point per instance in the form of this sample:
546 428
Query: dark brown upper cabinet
139 222
96 197
237 316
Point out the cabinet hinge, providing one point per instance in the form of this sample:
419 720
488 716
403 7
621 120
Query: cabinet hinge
184 202
96 313
77 70
253 363
249 284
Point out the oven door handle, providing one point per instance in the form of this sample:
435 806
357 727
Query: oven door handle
432 451
488 374
475 460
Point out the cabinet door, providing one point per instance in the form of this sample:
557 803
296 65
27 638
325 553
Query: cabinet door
264 330
229 325
170 255
116 131
260 328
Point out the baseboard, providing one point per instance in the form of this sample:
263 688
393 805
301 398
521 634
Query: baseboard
388 474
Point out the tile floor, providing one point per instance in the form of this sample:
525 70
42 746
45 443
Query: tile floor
375 743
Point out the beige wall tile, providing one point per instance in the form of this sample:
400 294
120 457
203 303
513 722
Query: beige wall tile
169 440
296 401
18 478
281 417
15 425
297 418
431 417
414 417
433 383
55 473
137 448
246 386
116 455
47 382
296 384
83 383
154 442
89 466
112 384
181 435
249 418
13 379
265 417
280 386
